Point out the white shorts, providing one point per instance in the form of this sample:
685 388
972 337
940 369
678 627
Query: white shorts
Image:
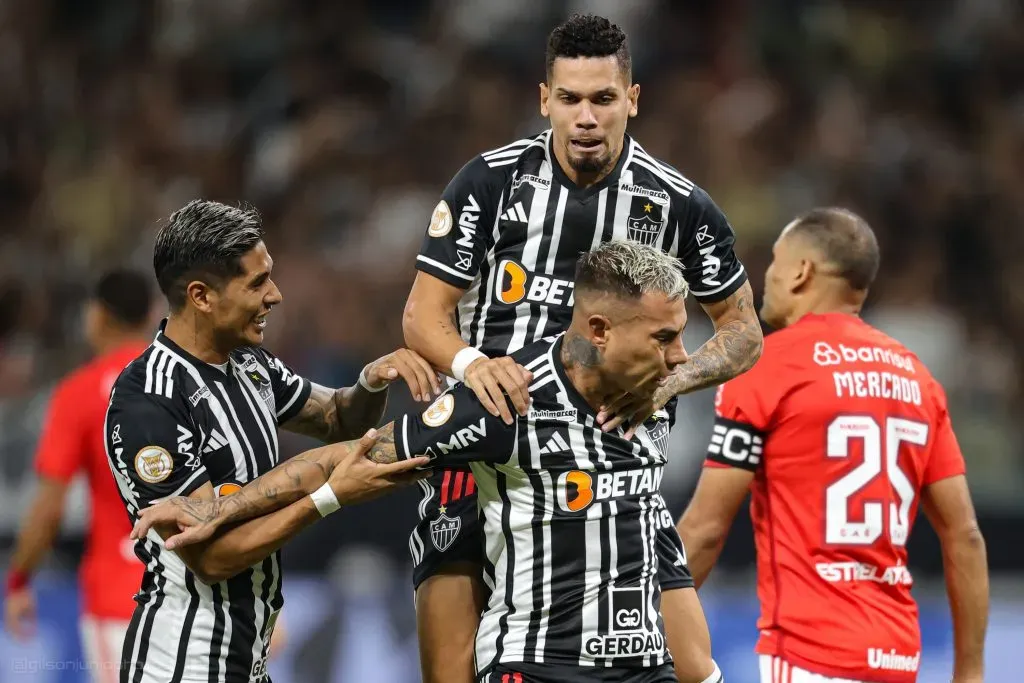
777 670
102 640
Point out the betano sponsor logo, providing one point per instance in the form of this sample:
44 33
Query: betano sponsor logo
515 283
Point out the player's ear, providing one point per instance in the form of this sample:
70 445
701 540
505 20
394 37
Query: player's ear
802 275
545 93
202 295
599 326
633 95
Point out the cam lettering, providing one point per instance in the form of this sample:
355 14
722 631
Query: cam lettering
467 223
517 284
464 437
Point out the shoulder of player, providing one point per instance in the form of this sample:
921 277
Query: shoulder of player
502 161
647 170
156 378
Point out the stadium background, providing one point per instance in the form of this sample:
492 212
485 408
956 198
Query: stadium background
343 121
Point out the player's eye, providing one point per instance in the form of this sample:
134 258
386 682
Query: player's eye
569 99
605 99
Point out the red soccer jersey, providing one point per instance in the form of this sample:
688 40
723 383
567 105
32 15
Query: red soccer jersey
72 442
843 427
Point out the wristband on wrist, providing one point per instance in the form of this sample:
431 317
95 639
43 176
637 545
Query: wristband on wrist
16 581
365 384
325 500
463 359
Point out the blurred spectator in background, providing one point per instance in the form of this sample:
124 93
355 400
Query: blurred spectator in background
116 329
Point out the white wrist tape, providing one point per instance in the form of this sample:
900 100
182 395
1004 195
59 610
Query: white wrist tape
325 500
365 384
463 359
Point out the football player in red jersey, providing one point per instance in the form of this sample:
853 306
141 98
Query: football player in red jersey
839 433
116 323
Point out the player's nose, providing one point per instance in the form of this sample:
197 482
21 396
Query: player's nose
585 117
274 296
676 354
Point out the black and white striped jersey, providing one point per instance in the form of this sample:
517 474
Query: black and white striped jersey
173 424
510 227
570 518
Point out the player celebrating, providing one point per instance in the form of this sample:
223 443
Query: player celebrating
840 433
197 415
72 443
498 259
570 512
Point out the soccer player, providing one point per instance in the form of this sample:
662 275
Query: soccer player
115 318
496 273
197 415
840 433
571 512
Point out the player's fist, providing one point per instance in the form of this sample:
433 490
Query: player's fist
407 365
362 472
20 613
490 378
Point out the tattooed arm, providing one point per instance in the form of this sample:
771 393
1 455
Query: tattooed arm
733 349
221 536
333 415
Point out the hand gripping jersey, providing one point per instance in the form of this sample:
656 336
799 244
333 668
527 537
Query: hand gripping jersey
843 427
570 515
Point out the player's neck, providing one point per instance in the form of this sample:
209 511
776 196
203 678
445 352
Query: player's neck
826 306
582 363
186 330
114 339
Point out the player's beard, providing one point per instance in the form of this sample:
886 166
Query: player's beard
590 164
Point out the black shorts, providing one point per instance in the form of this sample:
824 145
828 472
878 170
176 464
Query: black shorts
541 673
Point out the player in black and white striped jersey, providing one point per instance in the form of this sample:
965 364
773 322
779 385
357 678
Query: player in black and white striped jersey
571 513
197 415
498 258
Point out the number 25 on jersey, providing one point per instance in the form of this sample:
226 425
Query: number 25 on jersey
880 454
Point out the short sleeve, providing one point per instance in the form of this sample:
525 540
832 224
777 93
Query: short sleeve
706 248
458 235
152 447
945 459
741 421
290 389
455 430
62 444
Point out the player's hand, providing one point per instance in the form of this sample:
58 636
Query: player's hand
632 409
20 613
196 520
408 365
489 377
355 478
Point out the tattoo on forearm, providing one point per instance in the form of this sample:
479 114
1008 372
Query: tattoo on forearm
733 350
269 493
319 417
579 351
384 450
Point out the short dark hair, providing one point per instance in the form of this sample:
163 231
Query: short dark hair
588 35
204 241
845 240
628 270
126 295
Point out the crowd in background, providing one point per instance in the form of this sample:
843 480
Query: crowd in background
343 121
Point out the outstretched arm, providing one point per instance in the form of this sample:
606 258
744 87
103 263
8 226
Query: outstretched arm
353 469
333 415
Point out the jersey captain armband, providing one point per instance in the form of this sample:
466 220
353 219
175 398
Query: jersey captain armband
736 444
